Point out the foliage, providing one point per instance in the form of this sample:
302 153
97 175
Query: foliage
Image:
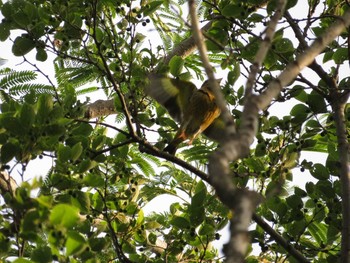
89 207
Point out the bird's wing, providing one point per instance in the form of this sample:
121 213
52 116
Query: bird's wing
173 94
216 130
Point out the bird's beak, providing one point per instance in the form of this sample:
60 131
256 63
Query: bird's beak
219 80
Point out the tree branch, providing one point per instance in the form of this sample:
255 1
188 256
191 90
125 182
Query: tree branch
338 102
7 183
279 239
100 108
241 201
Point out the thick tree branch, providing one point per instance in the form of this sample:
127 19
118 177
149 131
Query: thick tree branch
338 102
303 44
7 183
244 202
100 108
302 60
186 47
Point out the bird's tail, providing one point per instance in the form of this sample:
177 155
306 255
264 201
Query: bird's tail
172 146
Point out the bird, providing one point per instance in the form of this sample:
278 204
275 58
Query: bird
194 109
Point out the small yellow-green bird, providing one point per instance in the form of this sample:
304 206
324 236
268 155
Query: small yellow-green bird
194 109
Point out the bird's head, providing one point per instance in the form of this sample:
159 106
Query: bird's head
206 87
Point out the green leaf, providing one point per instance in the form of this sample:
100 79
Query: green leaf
152 7
234 74
152 238
283 45
180 222
29 221
316 102
76 151
7 10
319 171
86 165
232 10
27 115
200 195
83 129
41 55
94 180
299 192
22 260
64 215
12 125
63 153
220 37
340 55
45 106
42 254
97 244
206 230
298 92
299 112
75 243
99 33
22 45
8 152
294 202
176 65
277 205
319 232
4 31
325 189
81 200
